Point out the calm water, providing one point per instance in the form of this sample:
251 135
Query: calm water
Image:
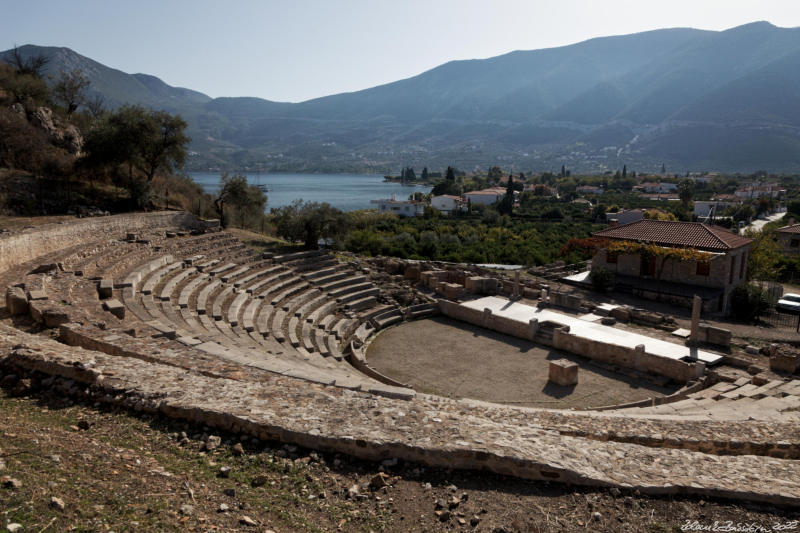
348 192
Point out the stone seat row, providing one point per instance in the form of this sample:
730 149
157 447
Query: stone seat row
300 306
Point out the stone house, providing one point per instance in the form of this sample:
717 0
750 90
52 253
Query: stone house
690 258
789 239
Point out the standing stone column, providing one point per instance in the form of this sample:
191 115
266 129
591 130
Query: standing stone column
697 304
516 293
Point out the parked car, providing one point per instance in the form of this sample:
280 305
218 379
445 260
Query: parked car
789 303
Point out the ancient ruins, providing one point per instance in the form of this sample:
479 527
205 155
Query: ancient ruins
162 312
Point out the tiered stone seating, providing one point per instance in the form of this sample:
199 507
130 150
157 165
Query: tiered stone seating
731 440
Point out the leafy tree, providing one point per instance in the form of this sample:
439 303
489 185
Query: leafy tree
764 260
749 302
563 171
506 205
599 212
309 222
424 175
410 175
248 201
27 88
141 140
495 173
601 278
450 175
70 88
686 191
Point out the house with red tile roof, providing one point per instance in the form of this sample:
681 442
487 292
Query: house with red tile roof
673 261
789 239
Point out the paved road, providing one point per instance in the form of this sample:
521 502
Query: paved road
757 224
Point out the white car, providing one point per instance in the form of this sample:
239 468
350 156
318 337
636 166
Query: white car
789 302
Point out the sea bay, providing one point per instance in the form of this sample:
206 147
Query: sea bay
348 192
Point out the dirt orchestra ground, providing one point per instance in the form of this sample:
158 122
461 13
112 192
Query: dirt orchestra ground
454 359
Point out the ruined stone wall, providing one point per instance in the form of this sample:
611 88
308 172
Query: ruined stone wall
27 245
600 351
623 356
508 326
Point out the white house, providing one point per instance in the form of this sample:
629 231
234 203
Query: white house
757 190
446 203
403 208
704 209
486 196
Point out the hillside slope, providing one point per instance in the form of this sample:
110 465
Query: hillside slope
692 99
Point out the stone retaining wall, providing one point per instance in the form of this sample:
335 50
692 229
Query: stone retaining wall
27 245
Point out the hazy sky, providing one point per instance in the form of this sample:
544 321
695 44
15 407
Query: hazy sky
299 49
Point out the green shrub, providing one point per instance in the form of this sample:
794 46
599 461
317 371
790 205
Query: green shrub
602 278
748 302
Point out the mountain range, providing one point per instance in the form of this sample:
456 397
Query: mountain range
691 99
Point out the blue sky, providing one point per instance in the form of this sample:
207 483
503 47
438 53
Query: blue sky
301 49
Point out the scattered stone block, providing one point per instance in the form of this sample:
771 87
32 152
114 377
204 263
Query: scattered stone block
563 372
16 302
39 294
682 332
37 309
453 291
115 307
43 269
623 314
53 318
412 272
784 363
105 289
752 350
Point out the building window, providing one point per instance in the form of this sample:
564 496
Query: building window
741 267
611 257
795 243
703 269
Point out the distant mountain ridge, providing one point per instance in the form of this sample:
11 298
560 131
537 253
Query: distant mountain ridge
692 99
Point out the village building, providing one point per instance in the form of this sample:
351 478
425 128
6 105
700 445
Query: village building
672 261
403 208
486 196
588 189
624 217
789 239
755 190
653 187
446 203
705 209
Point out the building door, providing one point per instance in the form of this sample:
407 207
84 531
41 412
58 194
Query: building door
648 265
